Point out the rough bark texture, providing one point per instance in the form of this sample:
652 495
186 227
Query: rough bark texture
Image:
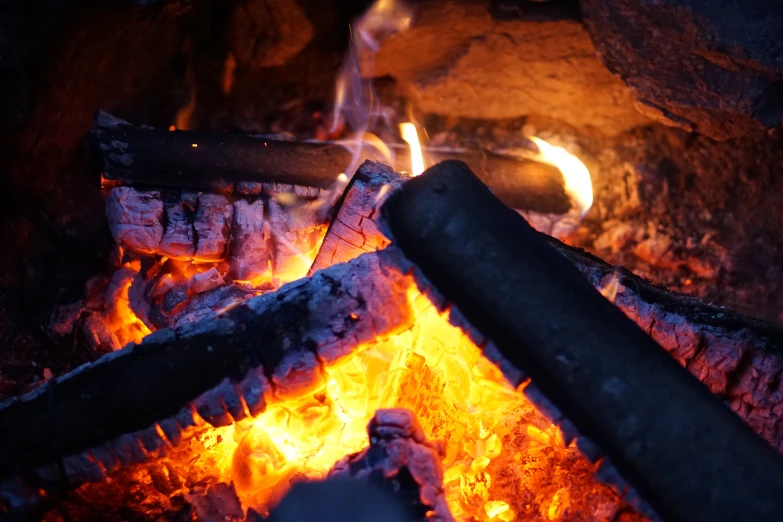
480 67
143 400
713 67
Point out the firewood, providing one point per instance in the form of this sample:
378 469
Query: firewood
202 161
136 404
665 432
354 230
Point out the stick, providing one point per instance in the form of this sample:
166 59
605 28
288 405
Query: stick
685 452
160 159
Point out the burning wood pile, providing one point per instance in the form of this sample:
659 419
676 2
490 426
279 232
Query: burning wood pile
404 362
274 319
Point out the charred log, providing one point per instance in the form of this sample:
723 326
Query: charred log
354 230
158 159
687 454
141 401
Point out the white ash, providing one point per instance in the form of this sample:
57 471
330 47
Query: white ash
178 240
205 281
249 252
135 218
213 225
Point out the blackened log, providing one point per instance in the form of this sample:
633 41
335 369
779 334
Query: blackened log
202 161
686 453
114 411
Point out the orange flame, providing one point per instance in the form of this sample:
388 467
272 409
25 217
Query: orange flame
411 137
578 183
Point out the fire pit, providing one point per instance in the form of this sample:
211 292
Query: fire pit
282 319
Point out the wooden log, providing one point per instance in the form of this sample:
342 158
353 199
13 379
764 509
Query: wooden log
738 357
684 451
160 159
354 229
136 404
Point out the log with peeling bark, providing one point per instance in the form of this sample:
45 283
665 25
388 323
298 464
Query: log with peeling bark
202 161
138 403
683 450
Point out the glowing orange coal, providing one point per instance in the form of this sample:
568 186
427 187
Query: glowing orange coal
500 458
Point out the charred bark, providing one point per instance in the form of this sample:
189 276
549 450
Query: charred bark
136 404
687 454
158 159
354 230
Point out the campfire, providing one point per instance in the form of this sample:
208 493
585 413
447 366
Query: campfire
281 321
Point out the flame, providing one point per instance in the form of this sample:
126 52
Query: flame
356 103
578 184
411 137
493 441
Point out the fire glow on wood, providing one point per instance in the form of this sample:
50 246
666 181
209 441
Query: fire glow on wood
187 255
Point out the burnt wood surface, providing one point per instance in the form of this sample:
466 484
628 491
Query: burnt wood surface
221 367
685 452
193 160
738 357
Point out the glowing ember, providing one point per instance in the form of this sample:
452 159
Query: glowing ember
494 443
578 184
411 137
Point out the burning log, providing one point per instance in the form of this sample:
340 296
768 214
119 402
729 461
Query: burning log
185 160
685 452
354 230
141 401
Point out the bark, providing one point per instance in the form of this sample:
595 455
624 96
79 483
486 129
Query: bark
684 451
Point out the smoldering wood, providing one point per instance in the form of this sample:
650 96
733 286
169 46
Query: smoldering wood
249 252
353 230
212 225
399 451
135 404
738 357
178 241
684 451
161 159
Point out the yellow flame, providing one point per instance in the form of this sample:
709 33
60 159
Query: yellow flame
411 137
578 183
